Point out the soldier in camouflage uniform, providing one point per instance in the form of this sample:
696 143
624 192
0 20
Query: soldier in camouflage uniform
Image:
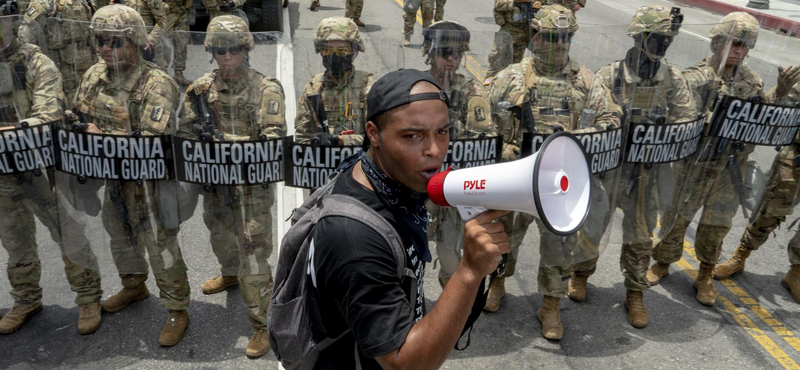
508 16
547 80
780 197
445 43
31 94
432 11
353 10
126 95
68 44
154 14
231 91
647 86
342 89
177 17
217 8
710 183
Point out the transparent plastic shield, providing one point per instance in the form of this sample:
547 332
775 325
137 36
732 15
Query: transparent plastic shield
115 157
551 92
229 151
28 112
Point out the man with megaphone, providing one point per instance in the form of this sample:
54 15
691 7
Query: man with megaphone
654 93
544 94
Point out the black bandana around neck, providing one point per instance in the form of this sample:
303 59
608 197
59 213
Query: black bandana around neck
406 205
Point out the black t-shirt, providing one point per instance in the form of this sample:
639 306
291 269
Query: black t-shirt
358 287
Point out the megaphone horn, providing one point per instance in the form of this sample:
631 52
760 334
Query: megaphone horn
554 185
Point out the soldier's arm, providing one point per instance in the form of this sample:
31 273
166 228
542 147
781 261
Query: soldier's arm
159 9
272 111
680 98
304 121
504 119
357 138
47 94
161 99
503 5
478 113
33 21
607 113
188 117
238 3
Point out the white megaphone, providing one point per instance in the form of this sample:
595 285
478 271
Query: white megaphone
554 185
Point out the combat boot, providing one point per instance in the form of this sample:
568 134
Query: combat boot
358 22
18 315
577 287
178 77
496 292
218 284
732 266
118 301
637 312
706 293
657 271
550 317
791 281
91 316
407 40
259 344
173 330
314 4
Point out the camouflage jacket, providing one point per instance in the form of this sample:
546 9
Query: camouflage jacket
214 5
41 23
154 13
521 82
38 98
143 99
666 93
474 112
701 77
250 107
791 98
345 107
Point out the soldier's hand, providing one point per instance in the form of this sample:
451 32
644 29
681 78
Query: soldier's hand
346 132
324 139
537 5
577 7
484 243
787 78
6 128
92 129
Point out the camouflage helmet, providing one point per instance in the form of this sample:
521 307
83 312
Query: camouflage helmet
656 19
740 26
337 29
228 30
555 17
445 34
119 19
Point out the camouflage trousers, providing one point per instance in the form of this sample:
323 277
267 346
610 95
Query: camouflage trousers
446 229
557 261
241 238
515 224
180 40
639 219
712 189
498 60
18 236
151 238
780 198
432 11
353 8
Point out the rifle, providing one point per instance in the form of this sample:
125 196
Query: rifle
207 132
528 125
736 175
526 12
453 110
653 118
33 193
114 192
315 101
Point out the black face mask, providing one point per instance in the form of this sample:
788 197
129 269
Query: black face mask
338 64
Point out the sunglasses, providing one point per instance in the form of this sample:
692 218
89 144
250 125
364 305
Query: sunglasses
342 51
112 42
556 37
445 53
234 50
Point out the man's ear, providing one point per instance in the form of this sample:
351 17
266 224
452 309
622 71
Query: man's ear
372 133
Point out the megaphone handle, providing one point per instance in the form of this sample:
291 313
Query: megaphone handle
470 212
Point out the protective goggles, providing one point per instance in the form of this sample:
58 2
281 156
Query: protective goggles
112 42
234 50
556 37
327 51
447 52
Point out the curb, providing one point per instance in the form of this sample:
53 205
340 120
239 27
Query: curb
773 22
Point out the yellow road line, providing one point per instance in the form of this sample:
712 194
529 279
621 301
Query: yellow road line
753 305
751 328
476 70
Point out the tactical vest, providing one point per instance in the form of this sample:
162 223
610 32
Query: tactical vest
68 27
238 113
646 101
116 110
15 102
346 109
555 101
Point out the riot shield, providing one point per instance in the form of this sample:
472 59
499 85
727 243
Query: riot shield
229 148
114 155
545 93
30 108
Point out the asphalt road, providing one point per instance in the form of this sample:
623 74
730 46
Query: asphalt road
751 326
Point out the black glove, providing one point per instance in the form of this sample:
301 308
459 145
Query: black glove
324 139
226 6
